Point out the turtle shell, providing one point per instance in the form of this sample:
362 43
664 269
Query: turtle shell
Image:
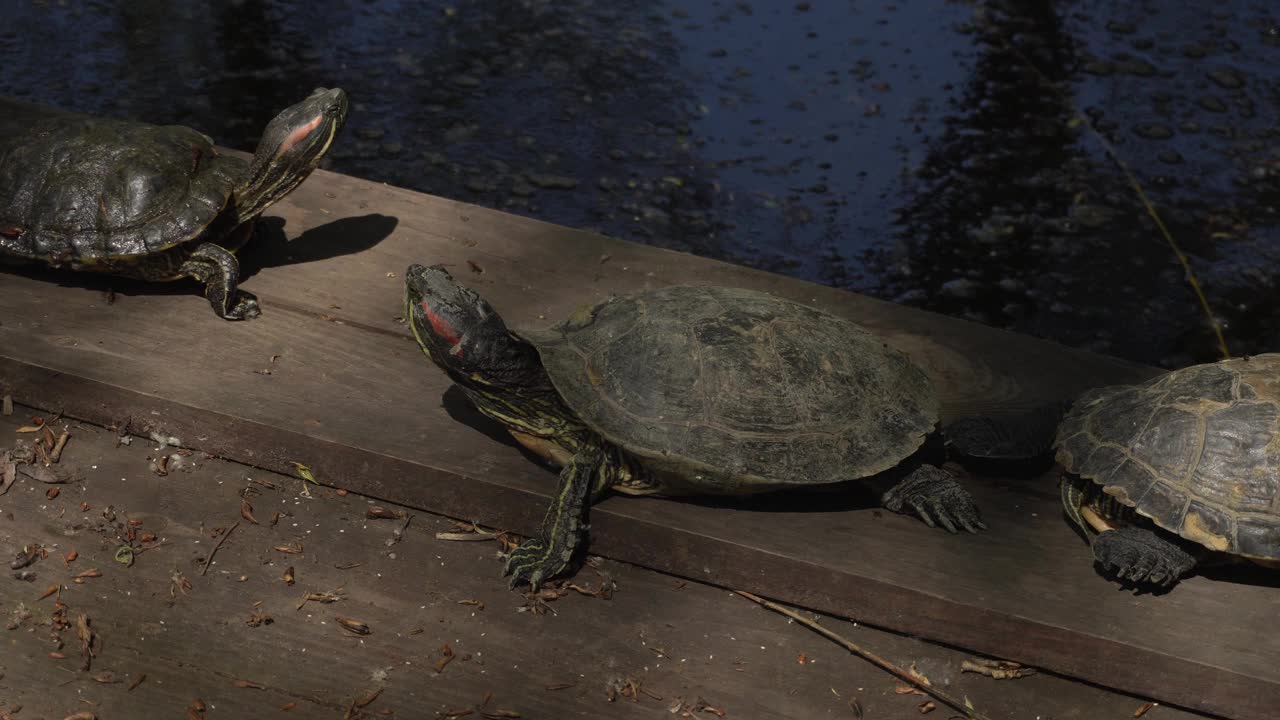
1196 450
74 189
728 390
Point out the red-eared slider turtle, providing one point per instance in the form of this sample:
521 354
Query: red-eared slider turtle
706 390
1181 467
145 201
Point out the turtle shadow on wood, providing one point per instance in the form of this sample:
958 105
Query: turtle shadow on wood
1241 574
455 402
1231 573
271 247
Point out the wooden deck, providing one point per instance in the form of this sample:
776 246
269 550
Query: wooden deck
680 641
350 395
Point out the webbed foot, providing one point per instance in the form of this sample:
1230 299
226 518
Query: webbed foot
1139 555
937 498
218 269
244 308
533 562
564 528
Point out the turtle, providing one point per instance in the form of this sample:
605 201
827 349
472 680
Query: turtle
684 390
1178 471
145 201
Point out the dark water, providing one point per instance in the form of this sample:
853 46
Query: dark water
930 152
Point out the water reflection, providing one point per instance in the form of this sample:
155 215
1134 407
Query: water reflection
897 150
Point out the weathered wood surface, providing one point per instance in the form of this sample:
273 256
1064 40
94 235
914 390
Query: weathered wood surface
350 395
679 639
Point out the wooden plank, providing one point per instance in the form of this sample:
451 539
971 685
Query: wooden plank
679 639
351 396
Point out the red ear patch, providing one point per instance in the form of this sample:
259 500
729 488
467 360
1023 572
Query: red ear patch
440 326
297 135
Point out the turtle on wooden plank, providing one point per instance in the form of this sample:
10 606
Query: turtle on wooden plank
687 390
145 201
1162 476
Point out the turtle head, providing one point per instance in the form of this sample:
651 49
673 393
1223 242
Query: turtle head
462 334
291 147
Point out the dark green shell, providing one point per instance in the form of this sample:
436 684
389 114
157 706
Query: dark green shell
732 390
1196 450
75 189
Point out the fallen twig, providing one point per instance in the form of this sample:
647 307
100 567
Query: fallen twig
56 453
915 679
225 535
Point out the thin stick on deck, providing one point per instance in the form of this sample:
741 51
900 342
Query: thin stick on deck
917 680
225 535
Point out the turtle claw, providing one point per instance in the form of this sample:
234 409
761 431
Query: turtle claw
934 496
245 308
1137 555
532 562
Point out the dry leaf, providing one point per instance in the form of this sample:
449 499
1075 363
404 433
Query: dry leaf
908 690
304 472
353 625
258 618
291 548
997 669
85 634
8 473
247 684
446 654
246 512
1144 709
288 575
927 707
41 473
367 698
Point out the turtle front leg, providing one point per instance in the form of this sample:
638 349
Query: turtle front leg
588 474
218 269
937 498
1138 555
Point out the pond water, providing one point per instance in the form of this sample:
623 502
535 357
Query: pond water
965 157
